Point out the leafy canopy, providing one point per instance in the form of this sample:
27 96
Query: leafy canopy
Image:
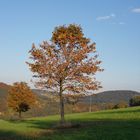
69 60
20 97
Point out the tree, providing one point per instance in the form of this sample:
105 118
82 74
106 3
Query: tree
135 101
66 64
20 97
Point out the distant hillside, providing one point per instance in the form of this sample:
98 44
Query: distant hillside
103 97
44 94
111 96
4 86
49 102
3 90
3 96
115 96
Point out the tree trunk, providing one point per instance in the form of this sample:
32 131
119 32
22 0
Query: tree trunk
62 120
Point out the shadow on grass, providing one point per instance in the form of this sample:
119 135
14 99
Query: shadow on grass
11 135
89 130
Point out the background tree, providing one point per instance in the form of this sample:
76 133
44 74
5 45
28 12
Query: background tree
66 64
20 97
135 101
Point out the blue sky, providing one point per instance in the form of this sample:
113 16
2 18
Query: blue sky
113 24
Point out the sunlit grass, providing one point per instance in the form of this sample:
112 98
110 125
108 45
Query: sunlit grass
120 124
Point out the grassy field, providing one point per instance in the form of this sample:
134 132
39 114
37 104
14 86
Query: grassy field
120 124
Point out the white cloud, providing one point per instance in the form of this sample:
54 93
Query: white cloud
136 10
121 23
112 15
106 17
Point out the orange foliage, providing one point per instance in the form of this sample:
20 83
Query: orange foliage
66 64
20 97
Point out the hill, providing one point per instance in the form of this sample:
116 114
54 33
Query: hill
120 124
4 86
3 90
115 96
49 102
3 96
103 97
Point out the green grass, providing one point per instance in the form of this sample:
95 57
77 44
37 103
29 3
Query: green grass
120 124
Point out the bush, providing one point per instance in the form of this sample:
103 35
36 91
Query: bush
135 101
121 105
109 105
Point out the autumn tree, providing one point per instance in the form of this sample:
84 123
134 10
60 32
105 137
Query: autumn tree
66 64
20 97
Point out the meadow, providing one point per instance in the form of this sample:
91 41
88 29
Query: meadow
119 124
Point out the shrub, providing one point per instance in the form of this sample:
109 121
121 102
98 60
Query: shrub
109 105
121 105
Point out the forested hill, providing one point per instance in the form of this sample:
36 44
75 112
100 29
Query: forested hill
4 86
3 96
3 90
103 97
115 96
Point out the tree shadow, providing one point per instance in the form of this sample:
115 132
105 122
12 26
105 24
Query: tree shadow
107 129
11 135
90 128
95 129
